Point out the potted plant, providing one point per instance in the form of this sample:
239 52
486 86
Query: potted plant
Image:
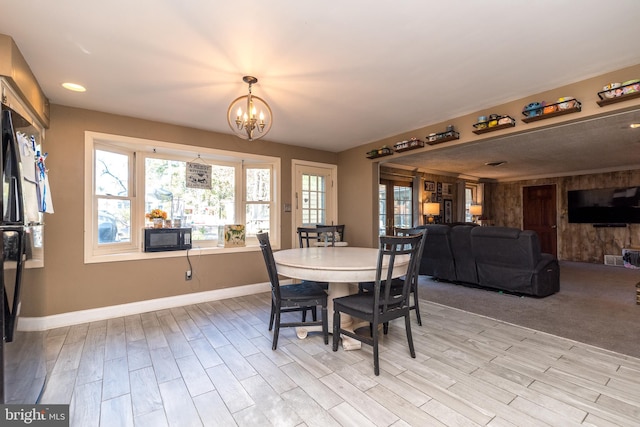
157 217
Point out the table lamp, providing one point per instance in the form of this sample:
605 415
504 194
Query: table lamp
476 212
430 209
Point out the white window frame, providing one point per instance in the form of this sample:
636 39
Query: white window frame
140 149
477 196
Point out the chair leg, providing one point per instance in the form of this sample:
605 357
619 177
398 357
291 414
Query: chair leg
276 330
376 362
336 329
417 304
325 325
273 312
314 314
407 325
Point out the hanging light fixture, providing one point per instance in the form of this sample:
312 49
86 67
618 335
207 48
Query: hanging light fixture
249 116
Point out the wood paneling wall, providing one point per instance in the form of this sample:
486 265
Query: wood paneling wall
576 242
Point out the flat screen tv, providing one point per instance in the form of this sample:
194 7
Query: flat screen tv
605 205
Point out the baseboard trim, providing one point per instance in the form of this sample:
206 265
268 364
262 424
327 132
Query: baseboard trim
104 313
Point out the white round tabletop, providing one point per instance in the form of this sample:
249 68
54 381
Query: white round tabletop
334 264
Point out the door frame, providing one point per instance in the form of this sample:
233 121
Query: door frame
332 200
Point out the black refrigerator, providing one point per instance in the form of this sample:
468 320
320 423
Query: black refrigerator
23 364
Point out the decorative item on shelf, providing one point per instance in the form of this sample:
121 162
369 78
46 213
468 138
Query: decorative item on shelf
157 217
616 92
566 102
501 122
482 122
231 236
380 152
612 90
563 105
630 86
448 135
255 120
549 108
533 109
410 144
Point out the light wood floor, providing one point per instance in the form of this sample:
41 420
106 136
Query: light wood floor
212 364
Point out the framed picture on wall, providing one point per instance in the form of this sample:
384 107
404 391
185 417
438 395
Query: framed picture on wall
446 189
429 186
448 211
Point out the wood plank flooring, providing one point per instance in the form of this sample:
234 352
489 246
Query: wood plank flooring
211 364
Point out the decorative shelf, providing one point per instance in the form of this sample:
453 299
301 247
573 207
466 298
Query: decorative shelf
410 144
483 127
441 137
605 100
559 109
381 152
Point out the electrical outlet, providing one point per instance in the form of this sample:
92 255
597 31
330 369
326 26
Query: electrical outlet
187 275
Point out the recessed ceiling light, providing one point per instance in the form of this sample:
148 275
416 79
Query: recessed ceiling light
74 87
498 163
634 125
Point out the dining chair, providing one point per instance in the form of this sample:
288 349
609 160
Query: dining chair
313 236
290 298
398 283
382 305
339 236
316 236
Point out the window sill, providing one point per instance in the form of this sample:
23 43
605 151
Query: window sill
195 251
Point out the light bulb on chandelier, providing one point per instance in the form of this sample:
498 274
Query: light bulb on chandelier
249 116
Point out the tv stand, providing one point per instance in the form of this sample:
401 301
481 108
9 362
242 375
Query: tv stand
609 225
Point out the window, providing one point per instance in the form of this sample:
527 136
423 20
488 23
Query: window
395 206
473 194
130 177
314 199
113 196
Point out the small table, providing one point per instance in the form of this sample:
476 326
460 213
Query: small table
342 268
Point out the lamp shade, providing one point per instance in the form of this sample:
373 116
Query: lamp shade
431 208
475 210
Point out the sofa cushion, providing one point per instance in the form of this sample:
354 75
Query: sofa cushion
510 259
437 257
465 263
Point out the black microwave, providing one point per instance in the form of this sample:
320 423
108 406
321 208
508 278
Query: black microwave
167 239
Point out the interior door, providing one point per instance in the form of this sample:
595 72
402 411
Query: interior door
539 213
315 195
395 201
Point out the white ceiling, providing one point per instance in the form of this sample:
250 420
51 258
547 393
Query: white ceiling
336 74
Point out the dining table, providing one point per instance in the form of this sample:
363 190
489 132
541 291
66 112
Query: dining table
343 267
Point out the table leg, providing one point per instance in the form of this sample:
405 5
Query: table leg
346 322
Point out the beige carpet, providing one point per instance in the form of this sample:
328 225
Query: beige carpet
596 305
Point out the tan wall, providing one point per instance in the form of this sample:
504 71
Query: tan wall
66 284
358 197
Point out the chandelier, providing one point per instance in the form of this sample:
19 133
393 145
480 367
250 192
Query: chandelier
249 116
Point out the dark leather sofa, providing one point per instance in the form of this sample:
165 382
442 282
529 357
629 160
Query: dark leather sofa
494 257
